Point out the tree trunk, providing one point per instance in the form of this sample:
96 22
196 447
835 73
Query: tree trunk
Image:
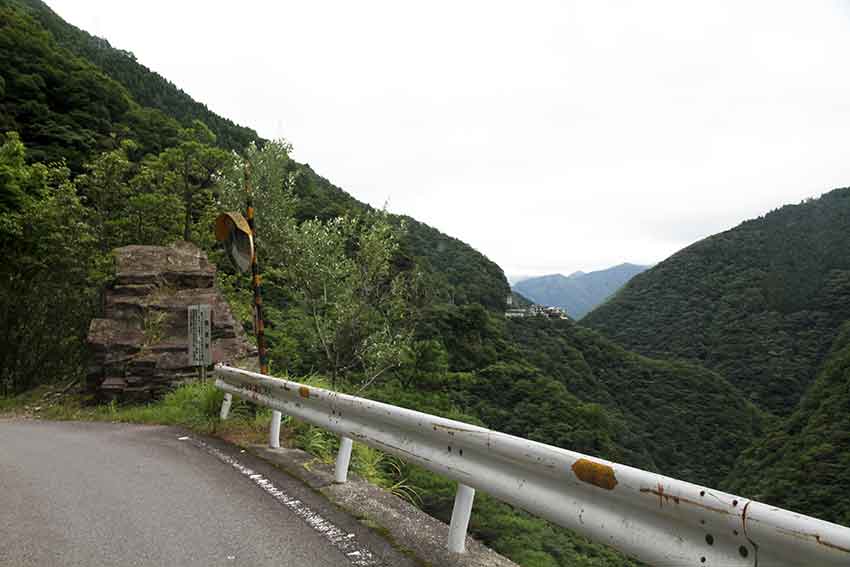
187 224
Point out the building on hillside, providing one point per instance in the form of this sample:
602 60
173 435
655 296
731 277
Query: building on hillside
536 310
555 313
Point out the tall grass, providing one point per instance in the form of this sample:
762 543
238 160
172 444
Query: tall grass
195 405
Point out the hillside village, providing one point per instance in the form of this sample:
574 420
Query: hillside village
534 310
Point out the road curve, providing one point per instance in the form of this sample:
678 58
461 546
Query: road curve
98 494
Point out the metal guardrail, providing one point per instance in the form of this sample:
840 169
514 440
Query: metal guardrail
654 518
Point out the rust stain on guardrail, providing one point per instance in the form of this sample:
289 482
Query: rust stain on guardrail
667 497
816 537
304 392
595 473
830 545
451 430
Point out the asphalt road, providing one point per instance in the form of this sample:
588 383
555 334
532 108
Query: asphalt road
97 494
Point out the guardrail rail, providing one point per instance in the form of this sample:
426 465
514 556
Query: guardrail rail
654 518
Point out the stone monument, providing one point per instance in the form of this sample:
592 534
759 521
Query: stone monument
140 347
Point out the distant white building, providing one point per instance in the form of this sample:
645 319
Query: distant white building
537 311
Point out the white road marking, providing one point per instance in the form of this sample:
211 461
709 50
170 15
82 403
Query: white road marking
346 542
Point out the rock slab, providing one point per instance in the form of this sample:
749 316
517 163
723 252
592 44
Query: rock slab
140 346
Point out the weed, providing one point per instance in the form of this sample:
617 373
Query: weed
317 442
154 326
406 491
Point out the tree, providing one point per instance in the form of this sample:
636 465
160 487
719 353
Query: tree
49 278
272 179
340 274
105 188
153 212
12 174
152 218
424 361
196 165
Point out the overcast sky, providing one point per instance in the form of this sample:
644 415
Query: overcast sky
551 136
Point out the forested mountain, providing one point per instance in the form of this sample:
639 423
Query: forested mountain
63 106
518 300
459 274
702 419
147 88
766 306
804 463
761 303
71 95
579 292
419 314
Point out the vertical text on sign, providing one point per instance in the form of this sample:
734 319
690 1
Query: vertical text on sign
200 335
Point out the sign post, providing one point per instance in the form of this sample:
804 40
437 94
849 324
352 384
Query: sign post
200 337
239 235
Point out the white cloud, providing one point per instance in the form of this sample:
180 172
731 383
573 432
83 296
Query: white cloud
552 136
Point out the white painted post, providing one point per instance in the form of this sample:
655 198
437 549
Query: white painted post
225 406
274 430
343 458
460 518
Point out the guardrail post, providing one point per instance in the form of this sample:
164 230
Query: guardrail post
460 518
225 406
274 430
343 458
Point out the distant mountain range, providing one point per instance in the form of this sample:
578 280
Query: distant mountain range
579 292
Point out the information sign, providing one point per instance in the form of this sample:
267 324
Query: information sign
200 336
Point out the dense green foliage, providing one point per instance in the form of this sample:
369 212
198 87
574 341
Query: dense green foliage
48 281
578 293
57 232
61 106
760 304
95 171
763 305
458 273
804 463
688 422
467 275
91 96
147 88
348 300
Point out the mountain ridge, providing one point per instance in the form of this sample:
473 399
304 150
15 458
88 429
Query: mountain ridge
580 292
803 463
147 87
150 109
760 303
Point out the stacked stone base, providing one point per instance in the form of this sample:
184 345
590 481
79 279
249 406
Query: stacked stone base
140 346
